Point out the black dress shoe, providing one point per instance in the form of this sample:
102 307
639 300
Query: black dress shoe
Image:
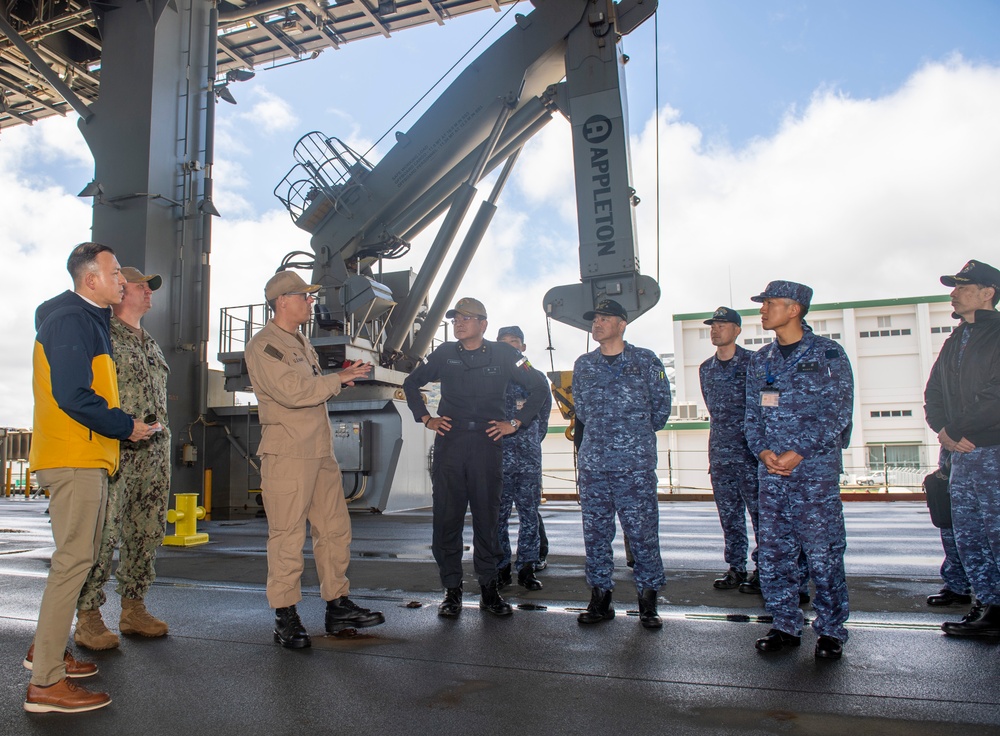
526 578
491 601
648 616
599 609
451 606
980 621
776 640
343 613
288 629
948 598
751 584
503 577
827 647
731 579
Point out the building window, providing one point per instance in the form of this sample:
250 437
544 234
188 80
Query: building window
880 413
886 333
819 325
884 321
941 330
757 340
704 333
893 456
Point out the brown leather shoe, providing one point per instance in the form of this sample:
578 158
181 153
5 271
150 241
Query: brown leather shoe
74 667
63 697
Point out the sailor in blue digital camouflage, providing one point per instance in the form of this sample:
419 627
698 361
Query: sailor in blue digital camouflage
731 465
138 494
622 397
800 401
522 477
962 405
957 589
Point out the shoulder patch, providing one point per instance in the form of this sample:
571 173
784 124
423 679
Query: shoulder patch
832 353
269 349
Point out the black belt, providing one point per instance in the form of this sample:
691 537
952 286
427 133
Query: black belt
470 426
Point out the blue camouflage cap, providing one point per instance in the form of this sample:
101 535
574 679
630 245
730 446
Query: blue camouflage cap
513 330
725 314
786 290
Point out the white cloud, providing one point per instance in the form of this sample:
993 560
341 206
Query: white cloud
861 199
268 111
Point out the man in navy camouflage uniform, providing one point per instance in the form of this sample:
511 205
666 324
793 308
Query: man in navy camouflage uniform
522 477
622 398
800 400
962 404
732 467
957 587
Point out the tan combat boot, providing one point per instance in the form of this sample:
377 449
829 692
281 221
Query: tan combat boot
91 633
137 620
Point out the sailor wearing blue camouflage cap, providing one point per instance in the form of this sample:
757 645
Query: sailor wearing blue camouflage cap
962 404
622 398
522 477
732 467
800 401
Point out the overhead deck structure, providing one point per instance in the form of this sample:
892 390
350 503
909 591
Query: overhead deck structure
68 37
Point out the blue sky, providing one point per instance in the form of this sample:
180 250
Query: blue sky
849 145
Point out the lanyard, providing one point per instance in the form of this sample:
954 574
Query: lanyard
772 377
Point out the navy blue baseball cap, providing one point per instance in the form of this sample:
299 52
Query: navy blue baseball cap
725 314
513 331
973 272
786 290
609 307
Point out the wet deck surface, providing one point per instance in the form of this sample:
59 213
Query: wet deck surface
536 672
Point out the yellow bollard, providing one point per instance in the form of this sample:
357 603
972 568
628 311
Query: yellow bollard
185 517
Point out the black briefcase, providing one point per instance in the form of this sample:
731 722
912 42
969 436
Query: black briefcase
938 500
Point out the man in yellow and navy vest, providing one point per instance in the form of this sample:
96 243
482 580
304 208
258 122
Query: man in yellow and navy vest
77 427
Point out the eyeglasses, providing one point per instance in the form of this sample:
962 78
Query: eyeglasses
463 318
304 294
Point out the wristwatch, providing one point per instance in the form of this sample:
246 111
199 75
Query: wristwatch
514 423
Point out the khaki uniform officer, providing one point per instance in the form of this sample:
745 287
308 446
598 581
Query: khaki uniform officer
300 478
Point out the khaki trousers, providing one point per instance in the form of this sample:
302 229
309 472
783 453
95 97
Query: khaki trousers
78 500
295 490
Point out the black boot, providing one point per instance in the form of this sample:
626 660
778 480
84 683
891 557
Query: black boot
600 608
526 577
730 579
288 629
647 610
948 597
491 600
976 623
343 613
776 640
751 584
504 577
451 606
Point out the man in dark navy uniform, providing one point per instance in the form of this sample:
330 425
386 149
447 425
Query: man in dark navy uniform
962 404
474 374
